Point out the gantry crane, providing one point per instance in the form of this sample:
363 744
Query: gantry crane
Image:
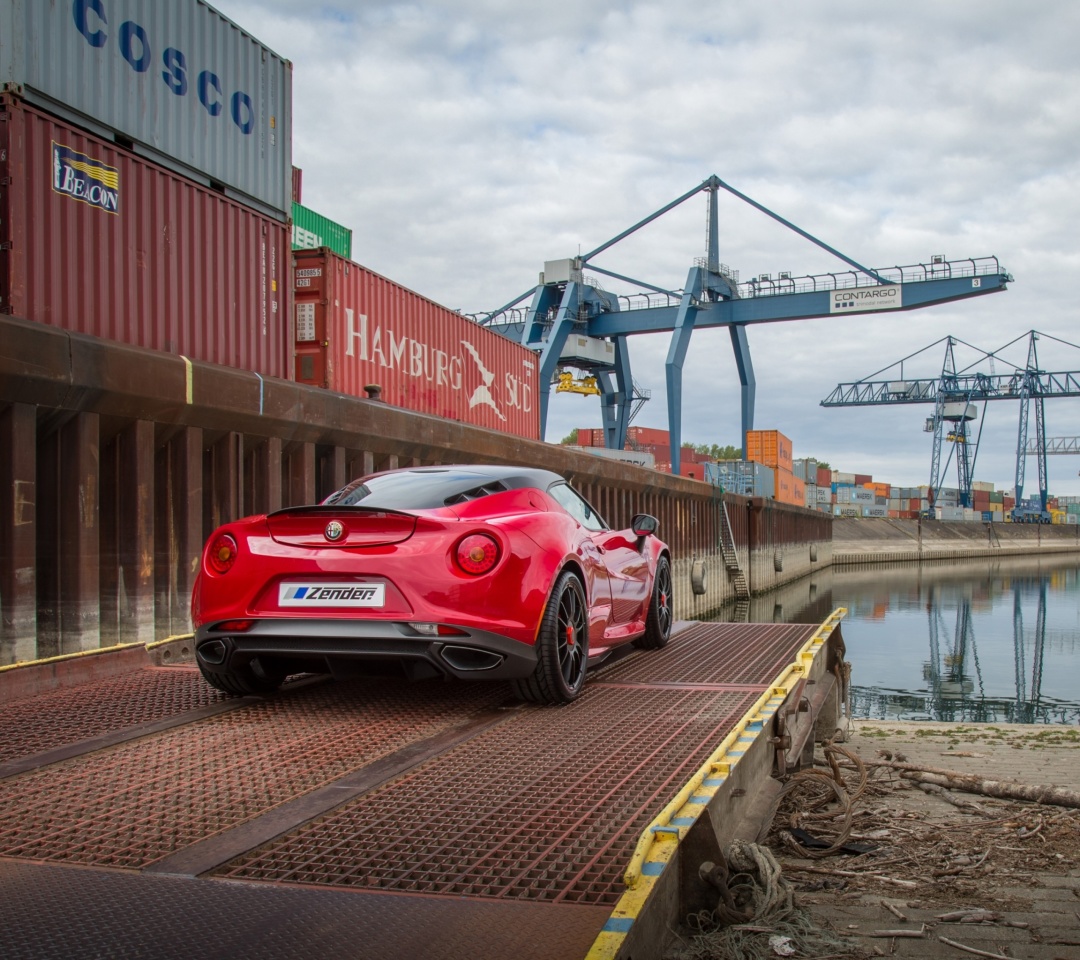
570 322
954 394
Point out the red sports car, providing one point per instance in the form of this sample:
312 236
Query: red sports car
474 572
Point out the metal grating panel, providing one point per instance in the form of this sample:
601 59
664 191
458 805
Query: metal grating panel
136 803
35 724
727 653
546 807
61 913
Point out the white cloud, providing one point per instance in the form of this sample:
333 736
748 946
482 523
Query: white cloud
466 142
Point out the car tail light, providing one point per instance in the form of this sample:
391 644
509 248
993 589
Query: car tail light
222 553
234 626
477 553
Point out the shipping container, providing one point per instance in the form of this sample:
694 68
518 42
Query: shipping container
824 476
744 477
847 510
297 185
788 487
96 240
769 447
845 478
311 230
691 470
634 457
875 511
649 435
186 85
356 329
949 513
806 469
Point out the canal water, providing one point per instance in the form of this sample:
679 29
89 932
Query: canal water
992 641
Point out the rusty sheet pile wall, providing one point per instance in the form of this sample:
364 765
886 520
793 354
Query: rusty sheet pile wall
116 463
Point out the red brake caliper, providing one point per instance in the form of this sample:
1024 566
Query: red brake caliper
569 635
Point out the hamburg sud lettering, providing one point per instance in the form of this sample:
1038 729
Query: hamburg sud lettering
85 179
369 342
338 594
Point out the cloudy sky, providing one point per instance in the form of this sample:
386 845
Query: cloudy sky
465 142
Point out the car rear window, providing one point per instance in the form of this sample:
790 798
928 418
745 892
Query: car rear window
418 490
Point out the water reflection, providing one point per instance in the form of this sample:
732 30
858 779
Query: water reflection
973 641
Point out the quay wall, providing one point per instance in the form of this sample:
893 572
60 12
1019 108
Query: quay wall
871 541
116 463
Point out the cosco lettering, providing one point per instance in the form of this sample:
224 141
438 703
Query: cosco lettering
133 42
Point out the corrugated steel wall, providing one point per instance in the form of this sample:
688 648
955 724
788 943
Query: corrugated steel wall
355 328
178 78
158 262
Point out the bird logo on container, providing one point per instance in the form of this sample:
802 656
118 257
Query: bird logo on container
85 179
482 394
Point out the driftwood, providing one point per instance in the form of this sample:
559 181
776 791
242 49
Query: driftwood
890 934
970 783
978 953
942 793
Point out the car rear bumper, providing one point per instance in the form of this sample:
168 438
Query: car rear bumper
346 647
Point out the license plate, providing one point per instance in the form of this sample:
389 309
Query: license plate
319 595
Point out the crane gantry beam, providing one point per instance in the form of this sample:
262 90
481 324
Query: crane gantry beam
955 391
712 296
978 386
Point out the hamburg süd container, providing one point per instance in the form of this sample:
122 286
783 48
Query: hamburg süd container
183 83
355 329
311 230
769 447
96 240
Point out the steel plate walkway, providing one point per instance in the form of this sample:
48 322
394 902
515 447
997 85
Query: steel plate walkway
147 815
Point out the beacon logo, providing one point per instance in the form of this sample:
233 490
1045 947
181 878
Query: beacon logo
85 179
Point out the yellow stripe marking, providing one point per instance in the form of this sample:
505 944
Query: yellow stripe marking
660 838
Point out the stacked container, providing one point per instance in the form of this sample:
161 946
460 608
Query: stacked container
360 334
145 178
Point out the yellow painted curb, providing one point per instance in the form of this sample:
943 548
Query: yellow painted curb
660 840
60 658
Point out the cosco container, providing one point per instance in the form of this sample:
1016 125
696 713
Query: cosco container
769 447
185 85
96 240
311 230
356 329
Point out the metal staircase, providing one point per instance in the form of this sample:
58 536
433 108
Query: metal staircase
731 561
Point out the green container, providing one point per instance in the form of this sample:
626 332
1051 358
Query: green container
311 230
998 496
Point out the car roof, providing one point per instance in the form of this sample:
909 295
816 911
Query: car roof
420 488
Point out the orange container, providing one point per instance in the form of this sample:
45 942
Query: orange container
769 447
788 488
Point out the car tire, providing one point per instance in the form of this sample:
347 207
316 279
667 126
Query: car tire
562 646
252 680
658 621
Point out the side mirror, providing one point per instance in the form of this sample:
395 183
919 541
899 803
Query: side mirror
643 524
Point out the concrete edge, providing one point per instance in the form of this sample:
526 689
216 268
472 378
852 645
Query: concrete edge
640 921
31 678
